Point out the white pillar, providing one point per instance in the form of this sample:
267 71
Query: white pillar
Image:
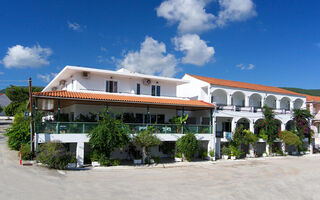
283 126
80 154
311 108
267 148
262 102
251 151
252 126
283 147
218 147
277 104
211 145
246 101
229 96
233 125
291 105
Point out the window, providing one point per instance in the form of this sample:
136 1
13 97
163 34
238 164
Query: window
226 126
155 90
138 88
139 118
160 119
112 86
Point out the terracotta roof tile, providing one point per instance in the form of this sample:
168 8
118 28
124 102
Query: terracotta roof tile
313 98
124 98
250 86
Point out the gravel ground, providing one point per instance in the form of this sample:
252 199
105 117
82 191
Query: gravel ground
275 178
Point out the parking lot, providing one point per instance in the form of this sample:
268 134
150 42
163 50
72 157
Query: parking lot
274 178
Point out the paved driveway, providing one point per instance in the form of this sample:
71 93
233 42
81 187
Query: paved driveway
285 178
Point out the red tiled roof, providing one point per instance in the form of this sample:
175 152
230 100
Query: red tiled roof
313 98
123 98
250 86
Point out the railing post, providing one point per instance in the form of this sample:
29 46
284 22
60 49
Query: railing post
83 128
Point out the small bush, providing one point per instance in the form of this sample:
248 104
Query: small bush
211 153
19 133
54 155
188 145
25 150
156 159
115 162
203 154
290 138
226 151
178 155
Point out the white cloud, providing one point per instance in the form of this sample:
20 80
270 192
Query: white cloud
74 26
196 50
192 16
189 14
243 67
150 59
235 10
22 57
47 77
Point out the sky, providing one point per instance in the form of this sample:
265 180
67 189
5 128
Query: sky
270 42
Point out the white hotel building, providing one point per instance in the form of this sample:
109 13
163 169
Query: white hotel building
215 107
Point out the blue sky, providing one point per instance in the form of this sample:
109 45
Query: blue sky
266 42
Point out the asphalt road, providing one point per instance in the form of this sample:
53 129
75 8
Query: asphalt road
280 178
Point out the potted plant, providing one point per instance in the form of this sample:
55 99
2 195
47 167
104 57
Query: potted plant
95 159
178 157
233 157
265 154
73 162
211 154
226 152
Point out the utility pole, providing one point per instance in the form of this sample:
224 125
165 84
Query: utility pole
31 117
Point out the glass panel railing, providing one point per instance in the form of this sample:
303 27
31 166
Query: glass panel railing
85 127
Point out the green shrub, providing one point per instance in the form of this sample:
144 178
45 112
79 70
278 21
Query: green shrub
188 145
54 155
19 133
115 162
156 159
104 161
290 138
178 155
211 153
25 150
226 151
235 151
203 153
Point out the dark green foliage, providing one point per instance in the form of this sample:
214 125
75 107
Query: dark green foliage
290 138
168 147
25 150
156 159
226 151
92 117
312 92
1 109
242 137
18 96
54 155
109 134
301 119
146 139
203 153
188 145
19 132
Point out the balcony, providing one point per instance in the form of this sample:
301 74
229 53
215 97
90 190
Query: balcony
85 127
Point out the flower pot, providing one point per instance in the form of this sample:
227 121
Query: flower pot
137 161
264 155
226 157
177 159
151 161
213 158
95 164
233 157
71 165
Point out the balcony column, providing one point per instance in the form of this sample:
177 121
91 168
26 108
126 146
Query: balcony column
233 124
107 108
80 154
311 108
182 127
283 126
229 96
58 118
246 101
262 102
211 143
148 115
277 104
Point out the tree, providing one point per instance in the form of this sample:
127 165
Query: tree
1 109
109 134
188 145
146 139
19 97
240 137
269 125
290 138
301 119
